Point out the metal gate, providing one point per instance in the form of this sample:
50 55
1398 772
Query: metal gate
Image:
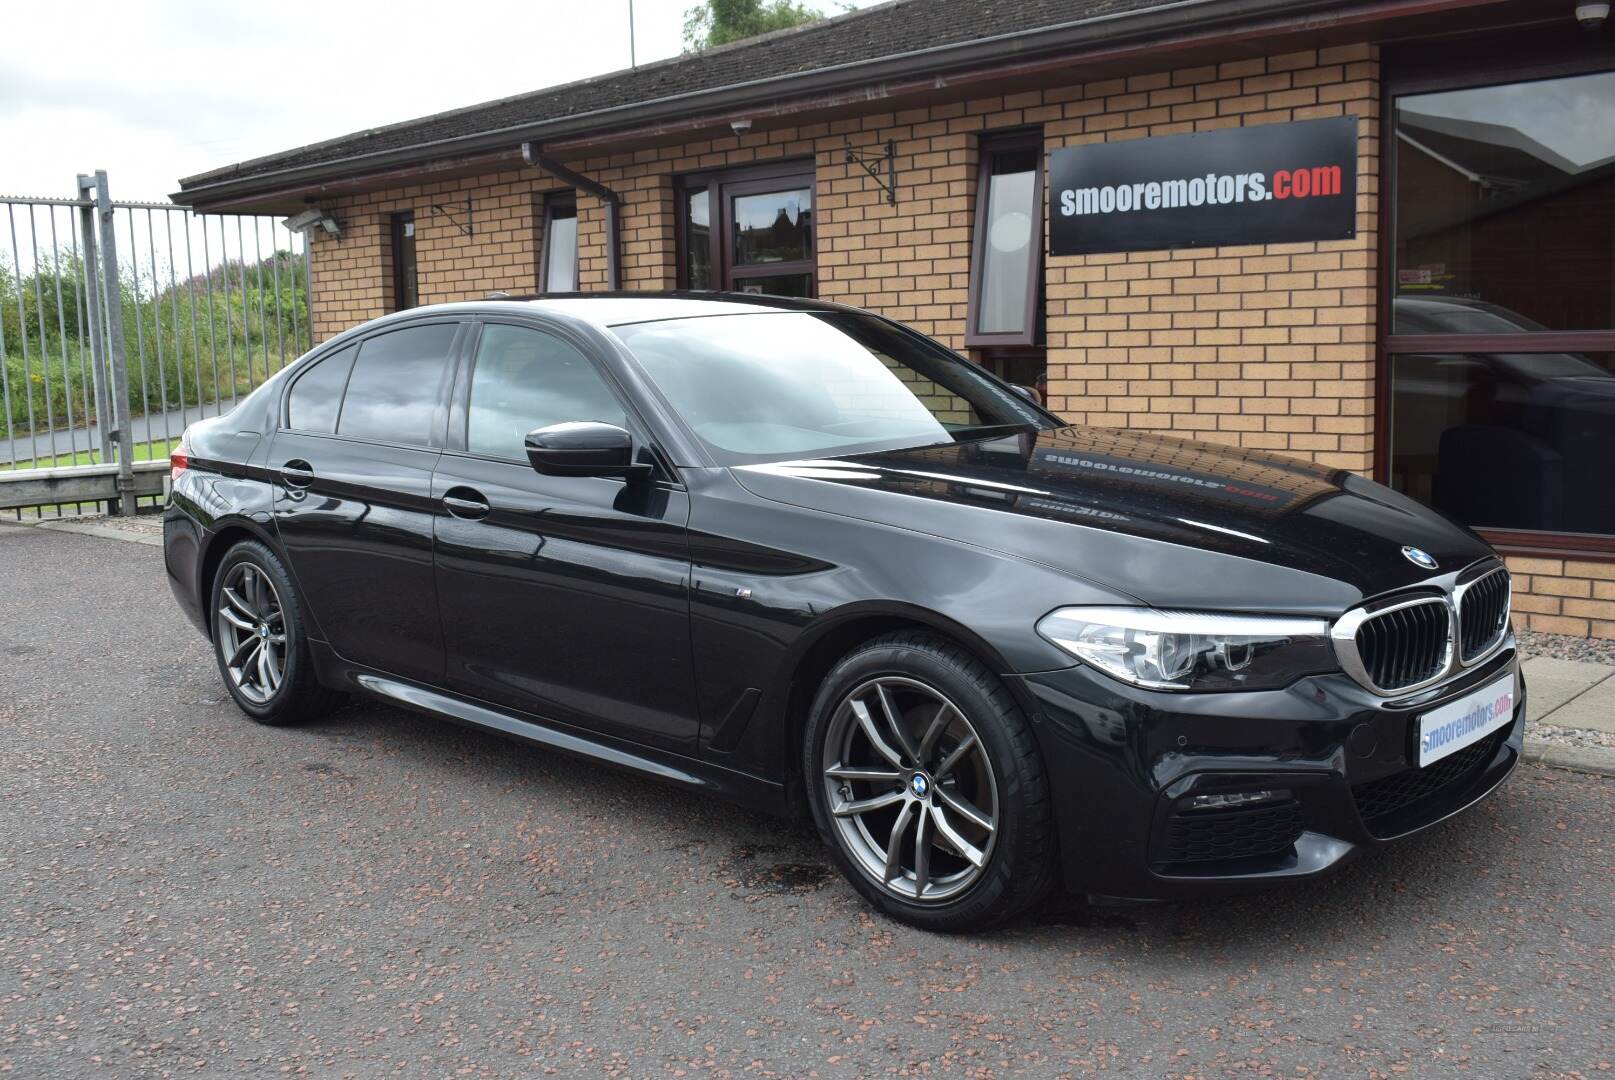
121 323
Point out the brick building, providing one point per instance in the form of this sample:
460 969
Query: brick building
1459 344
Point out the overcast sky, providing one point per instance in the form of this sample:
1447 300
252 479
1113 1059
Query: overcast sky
152 91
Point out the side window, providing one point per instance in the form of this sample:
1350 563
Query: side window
526 379
316 396
397 385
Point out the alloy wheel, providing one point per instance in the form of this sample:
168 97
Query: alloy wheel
910 789
252 632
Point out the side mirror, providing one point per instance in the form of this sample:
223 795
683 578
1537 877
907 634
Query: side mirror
583 448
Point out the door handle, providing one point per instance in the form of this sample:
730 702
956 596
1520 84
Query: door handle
464 502
297 473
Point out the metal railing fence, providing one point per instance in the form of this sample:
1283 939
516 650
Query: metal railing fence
121 323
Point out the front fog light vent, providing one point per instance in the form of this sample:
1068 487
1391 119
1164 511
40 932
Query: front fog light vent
1230 799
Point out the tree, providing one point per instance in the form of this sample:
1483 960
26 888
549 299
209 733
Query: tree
718 22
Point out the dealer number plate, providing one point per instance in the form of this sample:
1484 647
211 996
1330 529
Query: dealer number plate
1471 718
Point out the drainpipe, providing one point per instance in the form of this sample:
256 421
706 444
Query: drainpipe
534 155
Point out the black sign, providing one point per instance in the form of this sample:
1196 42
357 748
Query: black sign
1267 184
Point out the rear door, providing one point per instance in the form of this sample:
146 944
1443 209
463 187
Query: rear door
562 596
361 432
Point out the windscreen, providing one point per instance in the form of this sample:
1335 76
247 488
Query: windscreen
774 386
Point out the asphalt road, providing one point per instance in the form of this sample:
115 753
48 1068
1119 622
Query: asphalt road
186 893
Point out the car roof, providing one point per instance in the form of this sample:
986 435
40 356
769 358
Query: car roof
607 309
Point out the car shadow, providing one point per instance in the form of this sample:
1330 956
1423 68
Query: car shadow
758 855
499 764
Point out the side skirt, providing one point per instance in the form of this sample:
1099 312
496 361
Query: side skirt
726 784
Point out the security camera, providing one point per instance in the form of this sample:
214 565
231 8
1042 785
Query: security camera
1591 16
740 127
299 222
311 219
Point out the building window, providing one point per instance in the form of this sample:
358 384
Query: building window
406 281
696 241
558 270
749 231
1501 356
1006 252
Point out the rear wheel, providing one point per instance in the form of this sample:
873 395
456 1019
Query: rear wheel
259 639
927 785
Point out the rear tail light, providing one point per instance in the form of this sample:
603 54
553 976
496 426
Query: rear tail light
179 459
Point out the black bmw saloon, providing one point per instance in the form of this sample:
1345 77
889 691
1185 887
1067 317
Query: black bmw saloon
805 558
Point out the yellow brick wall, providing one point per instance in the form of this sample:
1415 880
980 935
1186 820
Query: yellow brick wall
1268 347
352 275
1564 596
910 261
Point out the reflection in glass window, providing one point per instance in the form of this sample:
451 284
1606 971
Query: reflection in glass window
775 227
317 394
697 239
1008 268
1505 202
525 379
1507 440
560 246
397 385
771 387
778 284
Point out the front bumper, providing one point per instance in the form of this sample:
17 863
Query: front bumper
1123 763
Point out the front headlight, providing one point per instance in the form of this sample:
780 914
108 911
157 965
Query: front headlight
1192 650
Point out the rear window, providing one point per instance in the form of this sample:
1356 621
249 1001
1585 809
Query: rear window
316 396
397 385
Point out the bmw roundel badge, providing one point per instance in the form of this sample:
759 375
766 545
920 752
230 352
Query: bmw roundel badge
1419 557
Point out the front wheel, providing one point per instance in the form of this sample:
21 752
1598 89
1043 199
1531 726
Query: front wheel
925 781
260 642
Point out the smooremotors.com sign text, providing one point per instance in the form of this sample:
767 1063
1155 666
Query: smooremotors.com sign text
1266 184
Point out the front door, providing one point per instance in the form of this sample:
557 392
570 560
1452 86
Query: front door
353 468
566 597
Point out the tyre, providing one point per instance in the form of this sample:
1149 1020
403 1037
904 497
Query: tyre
260 642
926 783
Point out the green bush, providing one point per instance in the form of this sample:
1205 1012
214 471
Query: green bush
184 344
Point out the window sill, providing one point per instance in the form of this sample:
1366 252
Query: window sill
1551 545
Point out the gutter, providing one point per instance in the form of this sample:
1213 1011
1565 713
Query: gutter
534 155
1116 29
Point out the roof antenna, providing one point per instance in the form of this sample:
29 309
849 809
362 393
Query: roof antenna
632 62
